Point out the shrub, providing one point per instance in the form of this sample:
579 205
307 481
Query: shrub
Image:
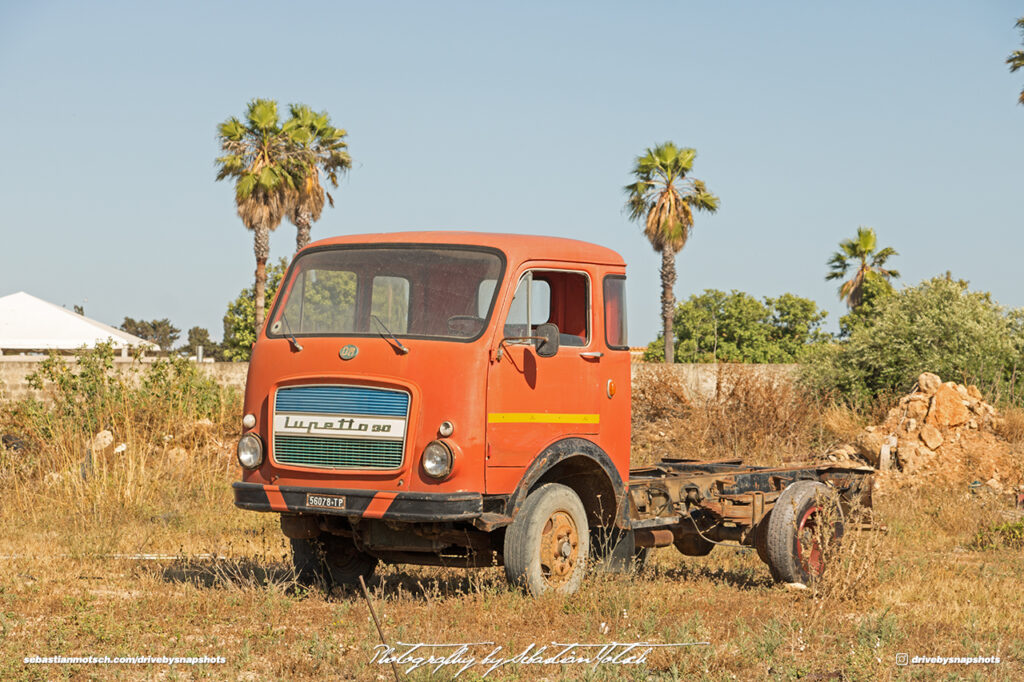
938 326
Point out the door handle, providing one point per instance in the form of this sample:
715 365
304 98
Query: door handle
592 354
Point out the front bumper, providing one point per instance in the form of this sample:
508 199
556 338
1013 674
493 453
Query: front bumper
368 504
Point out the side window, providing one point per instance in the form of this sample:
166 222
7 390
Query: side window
561 298
532 297
615 312
390 302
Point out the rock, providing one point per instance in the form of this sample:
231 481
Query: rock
973 391
843 452
947 408
178 456
917 407
910 425
204 423
870 429
101 441
869 445
962 390
931 437
796 586
994 484
928 382
121 447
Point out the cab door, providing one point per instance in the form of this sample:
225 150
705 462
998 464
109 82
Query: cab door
533 401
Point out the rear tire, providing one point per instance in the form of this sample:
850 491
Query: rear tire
330 560
761 539
548 542
804 525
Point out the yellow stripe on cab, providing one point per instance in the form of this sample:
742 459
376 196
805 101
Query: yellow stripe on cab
541 418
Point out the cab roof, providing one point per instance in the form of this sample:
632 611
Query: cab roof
517 247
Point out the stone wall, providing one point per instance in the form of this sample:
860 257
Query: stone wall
14 370
701 380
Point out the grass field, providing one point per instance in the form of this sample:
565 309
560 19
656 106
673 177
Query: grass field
145 555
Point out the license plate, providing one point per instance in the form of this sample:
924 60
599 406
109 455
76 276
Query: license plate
325 501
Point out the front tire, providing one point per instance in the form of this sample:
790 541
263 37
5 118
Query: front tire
330 560
548 542
804 525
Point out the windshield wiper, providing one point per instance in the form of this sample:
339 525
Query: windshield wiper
398 344
291 336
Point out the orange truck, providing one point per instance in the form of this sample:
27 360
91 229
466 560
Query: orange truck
463 399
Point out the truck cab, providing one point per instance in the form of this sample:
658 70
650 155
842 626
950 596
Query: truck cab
409 391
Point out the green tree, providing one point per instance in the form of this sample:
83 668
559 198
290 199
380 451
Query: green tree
323 148
200 336
664 199
266 165
938 326
1016 58
239 327
860 251
160 332
736 327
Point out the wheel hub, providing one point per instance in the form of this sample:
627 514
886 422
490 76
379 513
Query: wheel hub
559 548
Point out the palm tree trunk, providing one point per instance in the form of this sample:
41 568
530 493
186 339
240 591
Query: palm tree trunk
668 299
303 224
261 247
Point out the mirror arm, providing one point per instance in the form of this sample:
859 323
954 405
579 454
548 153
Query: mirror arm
501 344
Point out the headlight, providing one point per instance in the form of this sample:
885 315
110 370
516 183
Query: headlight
250 451
249 421
437 460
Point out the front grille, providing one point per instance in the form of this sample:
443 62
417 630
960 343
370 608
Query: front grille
340 427
338 453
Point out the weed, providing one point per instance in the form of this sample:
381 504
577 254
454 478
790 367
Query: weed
1009 535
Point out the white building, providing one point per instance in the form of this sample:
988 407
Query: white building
28 323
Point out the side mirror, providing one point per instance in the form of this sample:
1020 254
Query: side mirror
546 340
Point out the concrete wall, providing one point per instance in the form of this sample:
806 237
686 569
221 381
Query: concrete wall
704 381
14 369
700 381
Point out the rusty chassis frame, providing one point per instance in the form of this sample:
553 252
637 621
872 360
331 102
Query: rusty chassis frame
725 500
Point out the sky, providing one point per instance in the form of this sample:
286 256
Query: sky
809 119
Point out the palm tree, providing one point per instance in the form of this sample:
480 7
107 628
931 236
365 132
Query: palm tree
1016 59
664 198
266 165
323 147
860 251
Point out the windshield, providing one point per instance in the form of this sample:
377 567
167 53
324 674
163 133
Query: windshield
425 291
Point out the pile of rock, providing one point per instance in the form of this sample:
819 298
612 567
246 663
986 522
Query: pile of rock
940 429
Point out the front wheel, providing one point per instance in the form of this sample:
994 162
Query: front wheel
547 544
805 524
331 561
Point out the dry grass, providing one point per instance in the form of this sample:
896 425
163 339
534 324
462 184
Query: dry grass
1011 426
217 581
762 419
